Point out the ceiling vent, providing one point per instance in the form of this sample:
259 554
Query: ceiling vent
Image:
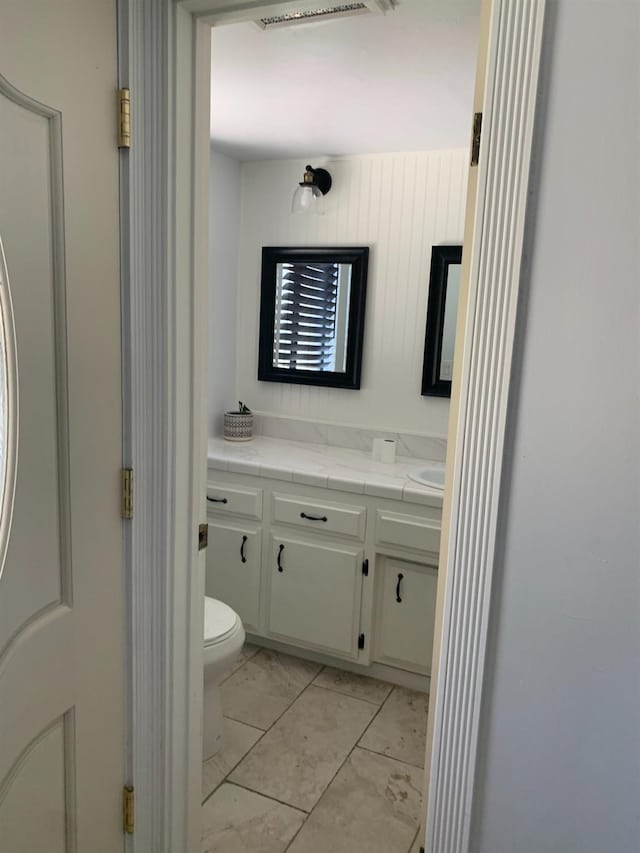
324 13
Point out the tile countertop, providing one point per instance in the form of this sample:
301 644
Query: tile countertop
322 465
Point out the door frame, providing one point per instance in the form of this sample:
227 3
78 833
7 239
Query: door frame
164 58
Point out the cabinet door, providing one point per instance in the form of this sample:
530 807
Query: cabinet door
315 594
406 614
233 570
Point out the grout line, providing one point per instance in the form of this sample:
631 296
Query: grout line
245 723
392 757
350 695
415 837
374 718
268 797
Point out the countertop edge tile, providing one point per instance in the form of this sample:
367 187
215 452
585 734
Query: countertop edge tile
275 473
417 495
392 491
243 466
310 478
322 466
346 484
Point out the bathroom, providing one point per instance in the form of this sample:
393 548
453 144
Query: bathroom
318 538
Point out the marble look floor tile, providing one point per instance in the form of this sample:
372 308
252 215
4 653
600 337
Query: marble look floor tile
239 821
372 806
264 687
246 653
237 740
400 729
352 684
295 761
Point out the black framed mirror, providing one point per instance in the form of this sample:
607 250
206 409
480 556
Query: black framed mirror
442 312
312 307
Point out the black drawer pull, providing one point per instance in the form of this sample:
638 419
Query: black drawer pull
400 579
217 500
242 556
280 550
313 517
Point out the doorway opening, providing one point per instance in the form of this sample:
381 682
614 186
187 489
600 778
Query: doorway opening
330 692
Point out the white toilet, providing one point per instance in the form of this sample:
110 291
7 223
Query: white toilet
223 639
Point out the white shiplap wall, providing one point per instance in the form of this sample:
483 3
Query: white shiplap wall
397 204
224 225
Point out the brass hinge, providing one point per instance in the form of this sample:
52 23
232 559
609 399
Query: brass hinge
365 568
124 118
475 138
203 536
128 809
361 641
126 488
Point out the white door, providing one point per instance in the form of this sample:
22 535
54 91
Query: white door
61 620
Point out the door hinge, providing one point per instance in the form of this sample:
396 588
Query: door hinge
361 641
365 568
128 809
203 536
124 118
126 489
475 138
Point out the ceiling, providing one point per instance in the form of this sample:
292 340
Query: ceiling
354 85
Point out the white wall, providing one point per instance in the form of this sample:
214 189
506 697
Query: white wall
399 205
224 222
560 769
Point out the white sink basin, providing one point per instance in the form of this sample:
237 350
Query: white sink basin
431 474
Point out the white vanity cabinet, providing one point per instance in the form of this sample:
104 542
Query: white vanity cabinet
340 576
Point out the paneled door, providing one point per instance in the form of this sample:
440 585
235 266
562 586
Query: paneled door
61 600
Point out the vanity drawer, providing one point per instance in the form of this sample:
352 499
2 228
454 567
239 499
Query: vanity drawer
320 516
234 500
407 531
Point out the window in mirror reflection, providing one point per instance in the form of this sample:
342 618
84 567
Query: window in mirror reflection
312 307
311 318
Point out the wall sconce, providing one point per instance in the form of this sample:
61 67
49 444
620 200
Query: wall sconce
315 184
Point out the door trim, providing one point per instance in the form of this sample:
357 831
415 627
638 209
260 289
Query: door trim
474 473
166 64
164 298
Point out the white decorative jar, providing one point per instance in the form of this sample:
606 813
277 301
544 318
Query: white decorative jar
238 426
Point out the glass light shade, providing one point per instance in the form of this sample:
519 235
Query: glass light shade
305 199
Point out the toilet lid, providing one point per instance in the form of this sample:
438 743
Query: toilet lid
219 621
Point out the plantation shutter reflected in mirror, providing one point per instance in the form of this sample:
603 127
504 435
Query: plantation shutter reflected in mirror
311 320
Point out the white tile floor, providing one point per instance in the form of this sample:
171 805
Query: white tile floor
315 759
